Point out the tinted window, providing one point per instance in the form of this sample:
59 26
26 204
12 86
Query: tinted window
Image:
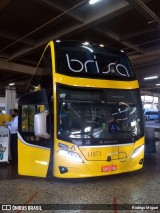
76 59
151 113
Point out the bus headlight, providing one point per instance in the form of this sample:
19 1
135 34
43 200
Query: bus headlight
71 155
137 151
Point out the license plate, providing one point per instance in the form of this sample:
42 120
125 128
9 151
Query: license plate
109 168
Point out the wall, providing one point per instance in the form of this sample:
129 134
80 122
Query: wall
2 102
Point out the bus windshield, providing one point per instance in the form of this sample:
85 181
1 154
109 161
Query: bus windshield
98 116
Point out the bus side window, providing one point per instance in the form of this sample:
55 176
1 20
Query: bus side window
28 112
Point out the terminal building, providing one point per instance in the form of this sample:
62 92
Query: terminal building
80 105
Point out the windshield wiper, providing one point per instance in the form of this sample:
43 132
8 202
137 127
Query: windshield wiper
133 134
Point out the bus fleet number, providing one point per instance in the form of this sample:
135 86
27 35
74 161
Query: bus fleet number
94 154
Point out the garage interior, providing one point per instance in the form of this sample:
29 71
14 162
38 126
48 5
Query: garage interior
132 26
128 25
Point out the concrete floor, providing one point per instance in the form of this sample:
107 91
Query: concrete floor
140 187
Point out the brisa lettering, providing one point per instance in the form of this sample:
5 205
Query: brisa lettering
84 67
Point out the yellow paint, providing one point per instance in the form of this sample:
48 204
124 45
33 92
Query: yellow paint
95 83
93 165
4 117
32 161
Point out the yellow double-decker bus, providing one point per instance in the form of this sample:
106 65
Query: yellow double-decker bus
85 119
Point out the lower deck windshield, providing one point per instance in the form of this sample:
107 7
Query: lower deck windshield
98 116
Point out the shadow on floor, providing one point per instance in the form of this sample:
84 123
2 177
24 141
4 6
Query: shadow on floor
8 171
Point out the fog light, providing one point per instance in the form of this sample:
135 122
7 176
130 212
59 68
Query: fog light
63 169
141 161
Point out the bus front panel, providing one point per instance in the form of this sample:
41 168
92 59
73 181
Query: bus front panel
71 162
99 132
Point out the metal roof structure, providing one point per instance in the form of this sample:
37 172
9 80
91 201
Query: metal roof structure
27 26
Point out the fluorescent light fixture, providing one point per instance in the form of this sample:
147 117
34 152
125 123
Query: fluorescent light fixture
151 77
157 84
58 41
101 45
11 84
93 1
122 51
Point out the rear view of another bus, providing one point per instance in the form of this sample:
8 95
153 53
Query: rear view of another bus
151 114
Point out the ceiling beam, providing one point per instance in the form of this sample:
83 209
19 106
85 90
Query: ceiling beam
144 10
62 7
108 33
11 36
112 11
149 29
143 92
116 38
4 3
15 67
133 46
150 53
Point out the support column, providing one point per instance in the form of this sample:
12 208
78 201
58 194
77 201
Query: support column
150 146
158 109
10 99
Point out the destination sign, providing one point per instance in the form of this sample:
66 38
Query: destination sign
95 62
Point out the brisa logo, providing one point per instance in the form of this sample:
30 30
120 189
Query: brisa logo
110 69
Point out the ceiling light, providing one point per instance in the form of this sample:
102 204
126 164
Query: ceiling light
151 77
11 84
86 43
101 45
58 41
122 51
93 1
157 84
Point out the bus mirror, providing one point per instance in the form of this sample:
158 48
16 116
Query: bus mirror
40 127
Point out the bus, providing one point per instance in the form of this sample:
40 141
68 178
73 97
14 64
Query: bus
151 114
85 117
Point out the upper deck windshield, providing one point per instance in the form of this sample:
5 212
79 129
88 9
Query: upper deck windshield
77 59
97 117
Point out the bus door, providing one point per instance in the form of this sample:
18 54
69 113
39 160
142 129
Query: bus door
34 134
